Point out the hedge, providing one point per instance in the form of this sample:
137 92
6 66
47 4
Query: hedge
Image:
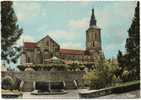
125 87
48 67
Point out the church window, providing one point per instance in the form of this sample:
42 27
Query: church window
96 36
93 43
47 43
45 54
57 48
28 59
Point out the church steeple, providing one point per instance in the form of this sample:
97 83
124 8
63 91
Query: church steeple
93 37
92 20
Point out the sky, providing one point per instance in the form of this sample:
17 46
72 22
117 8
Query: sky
67 21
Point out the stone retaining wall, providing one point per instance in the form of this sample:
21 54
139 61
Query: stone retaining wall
124 87
56 76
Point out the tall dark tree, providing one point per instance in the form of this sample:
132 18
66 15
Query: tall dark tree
132 44
10 33
122 63
119 56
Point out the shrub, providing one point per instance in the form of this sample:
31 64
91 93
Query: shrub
125 75
8 83
21 67
59 67
73 66
103 75
127 86
81 67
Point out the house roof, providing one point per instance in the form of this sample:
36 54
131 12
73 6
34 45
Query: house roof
30 45
71 52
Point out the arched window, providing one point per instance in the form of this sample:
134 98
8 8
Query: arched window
45 55
93 43
39 56
28 59
23 58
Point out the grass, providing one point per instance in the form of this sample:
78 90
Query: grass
128 83
11 92
125 87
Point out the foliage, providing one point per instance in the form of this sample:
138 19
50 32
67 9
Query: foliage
125 75
73 66
90 66
58 67
48 67
130 61
6 91
122 63
81 67
76 66
102 76
21 67
10 33
127 86
8 83
132 44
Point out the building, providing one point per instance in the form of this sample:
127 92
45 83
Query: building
39 52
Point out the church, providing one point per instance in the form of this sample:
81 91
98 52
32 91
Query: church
39 52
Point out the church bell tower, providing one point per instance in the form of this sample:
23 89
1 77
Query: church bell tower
93 37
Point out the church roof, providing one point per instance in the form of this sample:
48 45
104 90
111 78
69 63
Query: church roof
30 45
72 52
92 20
47 36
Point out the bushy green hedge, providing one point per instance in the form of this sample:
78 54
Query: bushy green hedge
59 67
8 83
73 66
81 67
47 67
21 67
125 87
103 75
122 87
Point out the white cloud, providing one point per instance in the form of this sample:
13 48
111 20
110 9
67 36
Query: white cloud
25 10
80 23
66 39
109 47
42 28
114 14
70 45
24 38
63 35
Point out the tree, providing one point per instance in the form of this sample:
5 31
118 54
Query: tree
10 33
102 76
121 63
132 45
